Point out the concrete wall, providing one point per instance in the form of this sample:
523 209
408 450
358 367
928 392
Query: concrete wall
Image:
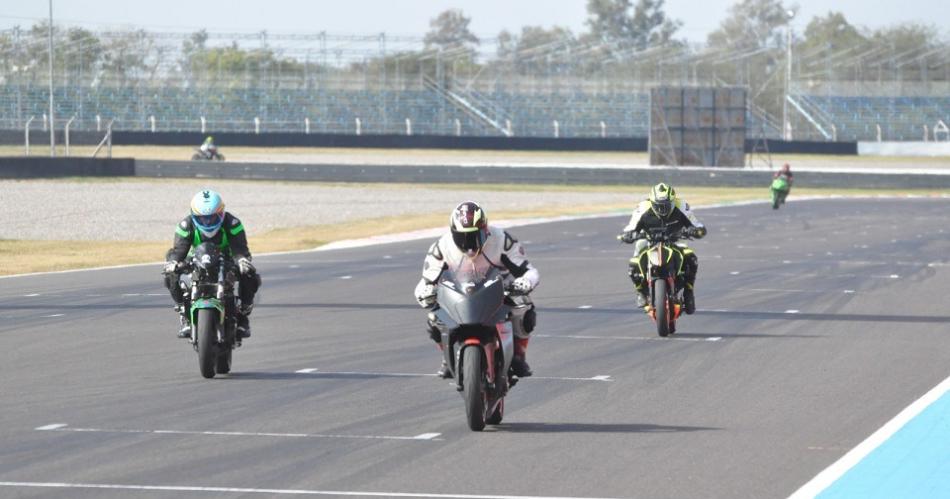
904 148
39 167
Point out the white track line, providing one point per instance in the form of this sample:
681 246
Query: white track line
436 232
62 427
832 473
243 490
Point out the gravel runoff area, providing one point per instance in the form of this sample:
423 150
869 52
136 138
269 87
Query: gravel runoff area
148 210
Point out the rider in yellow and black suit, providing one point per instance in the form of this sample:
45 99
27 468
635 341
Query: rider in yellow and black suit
664 209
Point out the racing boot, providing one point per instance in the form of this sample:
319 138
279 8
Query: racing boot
643 301
519 366
444 371
184 329
243 326
689 300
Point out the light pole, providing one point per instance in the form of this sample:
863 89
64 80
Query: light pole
786 125
52 128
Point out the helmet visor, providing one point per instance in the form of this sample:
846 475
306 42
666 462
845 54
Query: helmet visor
663 207
208 222
469 241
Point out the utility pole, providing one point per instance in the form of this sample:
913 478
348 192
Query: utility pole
52 128
786 124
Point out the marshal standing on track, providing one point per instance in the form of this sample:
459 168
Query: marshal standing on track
208 222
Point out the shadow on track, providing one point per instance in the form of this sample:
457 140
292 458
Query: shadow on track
246 375
595 428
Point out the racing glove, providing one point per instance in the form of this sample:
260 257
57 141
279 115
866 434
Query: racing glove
521 285
170 267
425 295
245 266
628 237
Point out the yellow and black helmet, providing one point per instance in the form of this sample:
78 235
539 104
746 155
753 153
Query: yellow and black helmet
469 227
662 199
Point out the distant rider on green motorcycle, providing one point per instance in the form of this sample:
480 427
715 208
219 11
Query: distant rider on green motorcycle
781 185
664 209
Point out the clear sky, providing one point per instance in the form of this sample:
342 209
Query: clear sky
411 17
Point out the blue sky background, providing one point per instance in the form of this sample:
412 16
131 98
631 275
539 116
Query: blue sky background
411 17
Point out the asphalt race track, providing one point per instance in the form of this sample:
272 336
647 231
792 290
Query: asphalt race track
816 325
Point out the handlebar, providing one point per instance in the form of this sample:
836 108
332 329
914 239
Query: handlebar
657 234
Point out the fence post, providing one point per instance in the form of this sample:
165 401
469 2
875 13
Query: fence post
926 134
26 132
458 128
408 126
98 123
306 126
603 130
359 127
203 125
878 126
257 125
109 137
66 132
151 120
508 127
45 120
834 133
557 129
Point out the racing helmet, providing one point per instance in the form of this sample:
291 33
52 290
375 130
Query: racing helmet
662 199
469 227
207 212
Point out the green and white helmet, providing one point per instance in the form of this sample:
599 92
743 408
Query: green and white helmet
662 199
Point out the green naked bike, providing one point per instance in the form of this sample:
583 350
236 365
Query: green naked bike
213 309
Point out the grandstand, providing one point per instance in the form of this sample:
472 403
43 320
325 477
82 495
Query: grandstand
375 84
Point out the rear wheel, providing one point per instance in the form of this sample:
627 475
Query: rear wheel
196 157
661 307
207 335
473 388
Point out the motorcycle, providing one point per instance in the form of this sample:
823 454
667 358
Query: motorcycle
663 265
209 155
212 307
780 190
478 349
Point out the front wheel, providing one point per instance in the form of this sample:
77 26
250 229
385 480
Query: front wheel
775 199
661 307
196 157
207 332
473 388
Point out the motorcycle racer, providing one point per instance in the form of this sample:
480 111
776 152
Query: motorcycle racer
472 241
664 209
209 221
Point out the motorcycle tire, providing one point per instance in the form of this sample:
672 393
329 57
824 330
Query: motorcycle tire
498 414
223 364
473 388
196 157
774 200
661 308
207 336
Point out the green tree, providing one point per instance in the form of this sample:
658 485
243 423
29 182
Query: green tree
449 30
626 26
